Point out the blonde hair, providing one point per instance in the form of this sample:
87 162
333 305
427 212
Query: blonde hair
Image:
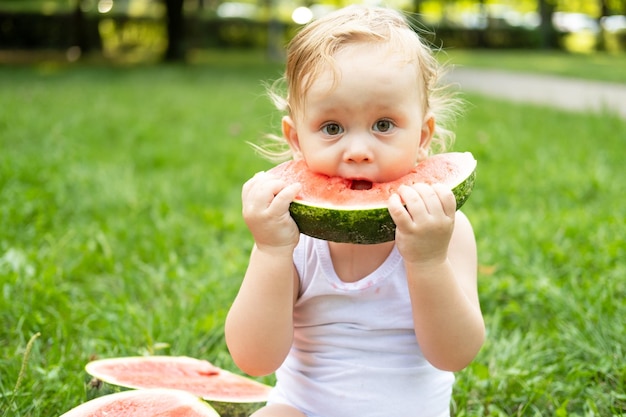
312 50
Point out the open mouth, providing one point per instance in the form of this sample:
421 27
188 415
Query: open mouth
361 185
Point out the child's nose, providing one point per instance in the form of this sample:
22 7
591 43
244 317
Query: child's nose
358 150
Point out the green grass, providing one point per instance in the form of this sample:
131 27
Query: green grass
551 236
121 233
597 66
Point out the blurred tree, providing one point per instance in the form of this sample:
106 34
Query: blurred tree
548 34
274 31
611 7
175 51
604 8
80 38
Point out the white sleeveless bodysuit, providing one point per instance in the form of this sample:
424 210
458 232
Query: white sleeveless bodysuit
354 352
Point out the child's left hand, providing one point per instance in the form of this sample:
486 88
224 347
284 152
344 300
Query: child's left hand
424 217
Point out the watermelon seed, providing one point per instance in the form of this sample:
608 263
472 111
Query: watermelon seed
208 373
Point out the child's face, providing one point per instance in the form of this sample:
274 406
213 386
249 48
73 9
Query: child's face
370 125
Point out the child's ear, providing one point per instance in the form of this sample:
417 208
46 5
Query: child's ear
428 130
291 135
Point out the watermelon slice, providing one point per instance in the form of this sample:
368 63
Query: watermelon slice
145 403
225 391
342 210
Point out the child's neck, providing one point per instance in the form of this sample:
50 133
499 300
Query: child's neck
354 262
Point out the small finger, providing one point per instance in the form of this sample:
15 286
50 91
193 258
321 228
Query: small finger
248 185
412 204
447 198
260 182
430 198
285 196
413 200
397 210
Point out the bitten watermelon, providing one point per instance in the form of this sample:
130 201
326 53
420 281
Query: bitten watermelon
145 403
342 210
230 394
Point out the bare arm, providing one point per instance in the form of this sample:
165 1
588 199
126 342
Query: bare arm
439 249
446 312
259 325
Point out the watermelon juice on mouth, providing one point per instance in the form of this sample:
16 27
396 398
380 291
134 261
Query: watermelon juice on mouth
355 211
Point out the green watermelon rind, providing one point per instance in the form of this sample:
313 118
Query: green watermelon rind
360 226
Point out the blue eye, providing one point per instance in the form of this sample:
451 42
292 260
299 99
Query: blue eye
383 126
332 129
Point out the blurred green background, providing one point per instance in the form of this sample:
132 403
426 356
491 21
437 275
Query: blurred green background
152 30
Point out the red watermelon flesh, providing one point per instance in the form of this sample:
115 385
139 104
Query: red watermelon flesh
319 189
355 211
195 376
144 403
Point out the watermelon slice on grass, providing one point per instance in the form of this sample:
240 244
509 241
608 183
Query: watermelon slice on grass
145 403
343 210
230 394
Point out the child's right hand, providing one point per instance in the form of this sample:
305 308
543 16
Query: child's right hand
265 200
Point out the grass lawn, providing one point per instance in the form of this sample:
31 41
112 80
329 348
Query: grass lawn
121 233
598 66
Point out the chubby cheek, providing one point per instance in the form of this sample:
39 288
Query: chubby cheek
396 171
399 166
320 163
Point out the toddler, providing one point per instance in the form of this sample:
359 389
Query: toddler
359 330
